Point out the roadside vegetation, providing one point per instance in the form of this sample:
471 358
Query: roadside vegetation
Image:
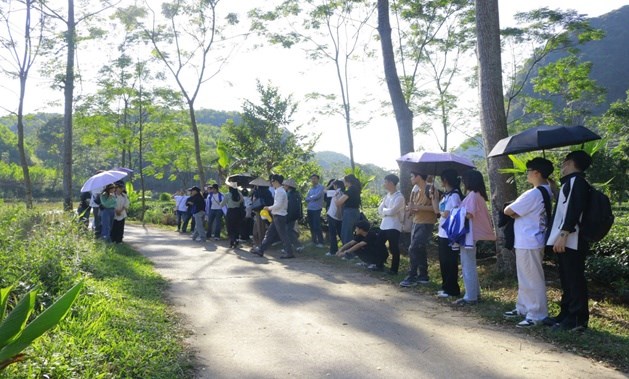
120 325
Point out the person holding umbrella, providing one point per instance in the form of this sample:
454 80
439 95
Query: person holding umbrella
235 213
120 212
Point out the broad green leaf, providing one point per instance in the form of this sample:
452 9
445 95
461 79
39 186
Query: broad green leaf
13 324
44 321
4 299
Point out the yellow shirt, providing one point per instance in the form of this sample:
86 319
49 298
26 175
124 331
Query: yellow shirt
422 217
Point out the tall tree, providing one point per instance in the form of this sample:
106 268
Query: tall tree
492 117
331 30
184 43
23 53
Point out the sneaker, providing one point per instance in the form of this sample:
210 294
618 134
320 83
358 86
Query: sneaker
376 268
347 257
216 239
550 321
299 249
526 323
409 282
256 251
511 314
462 302
319 245
443 294
363 264
371 266
423 281
287 256
330 254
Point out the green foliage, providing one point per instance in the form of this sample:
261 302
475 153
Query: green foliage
16 335
262 143
120 328
609 263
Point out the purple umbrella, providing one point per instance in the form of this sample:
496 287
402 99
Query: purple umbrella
428 163
100 180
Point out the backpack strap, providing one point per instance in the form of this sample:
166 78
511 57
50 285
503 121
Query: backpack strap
547 203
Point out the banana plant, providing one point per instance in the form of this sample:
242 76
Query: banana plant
16 333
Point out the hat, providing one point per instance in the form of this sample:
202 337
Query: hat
290 183
194 188
266 215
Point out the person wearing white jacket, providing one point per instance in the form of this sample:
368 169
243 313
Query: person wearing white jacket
391 210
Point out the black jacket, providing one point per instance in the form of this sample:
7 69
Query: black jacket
197 203
295 208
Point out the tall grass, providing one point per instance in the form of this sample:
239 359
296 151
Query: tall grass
120 326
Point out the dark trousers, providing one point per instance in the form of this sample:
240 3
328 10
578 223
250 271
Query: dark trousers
334 231
277 231
393 237
183 217
84 214
97 225
233 219
214 220
246 228
449 265
292 233
314 222
574 298
417 250
371 255
117 231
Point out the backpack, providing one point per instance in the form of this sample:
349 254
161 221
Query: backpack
597 217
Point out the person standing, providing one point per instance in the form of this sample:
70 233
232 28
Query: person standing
335 217
448 257
530 215
480 229
391 209
350 201
120 213
314 201
277 229
261 195
214 211
235 213
108 203
197 204
181 210
424 217
295 212
567 242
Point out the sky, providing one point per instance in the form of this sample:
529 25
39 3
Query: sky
293 73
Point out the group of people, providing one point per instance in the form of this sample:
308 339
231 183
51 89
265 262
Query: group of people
462 220
108 208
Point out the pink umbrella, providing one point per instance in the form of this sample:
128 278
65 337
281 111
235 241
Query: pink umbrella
429 163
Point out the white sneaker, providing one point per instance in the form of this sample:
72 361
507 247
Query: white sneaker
319 245
329 254
442 294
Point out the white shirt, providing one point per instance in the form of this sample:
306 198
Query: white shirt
562 207
447 203
280 202
530 227
180 200
213 201
122 203
391 210
333 210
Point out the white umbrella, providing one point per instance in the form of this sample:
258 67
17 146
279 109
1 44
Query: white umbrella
101 179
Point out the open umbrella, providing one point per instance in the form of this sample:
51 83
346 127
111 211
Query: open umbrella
260 182
541 138
123 169
428 163
101 179
240 179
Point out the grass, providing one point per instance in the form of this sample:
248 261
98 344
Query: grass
606 340
121 325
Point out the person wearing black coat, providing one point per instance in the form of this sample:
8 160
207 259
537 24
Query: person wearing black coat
197 203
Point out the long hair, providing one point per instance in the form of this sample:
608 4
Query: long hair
473 181
235 193
452 178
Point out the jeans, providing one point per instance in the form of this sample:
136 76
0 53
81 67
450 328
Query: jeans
277 230
97 225
182 220
198 226
393 237
420 237
470 273
107 221
334 230
314 222
350 217
215 218
293 234
449 265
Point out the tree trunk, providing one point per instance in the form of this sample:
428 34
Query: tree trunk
67 110
403 114
197 145
493 119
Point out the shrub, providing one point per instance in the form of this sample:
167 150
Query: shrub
165 197
609 262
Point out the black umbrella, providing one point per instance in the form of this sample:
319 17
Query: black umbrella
240 179
542 138
425 162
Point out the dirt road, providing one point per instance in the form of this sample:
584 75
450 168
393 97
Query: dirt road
257 317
